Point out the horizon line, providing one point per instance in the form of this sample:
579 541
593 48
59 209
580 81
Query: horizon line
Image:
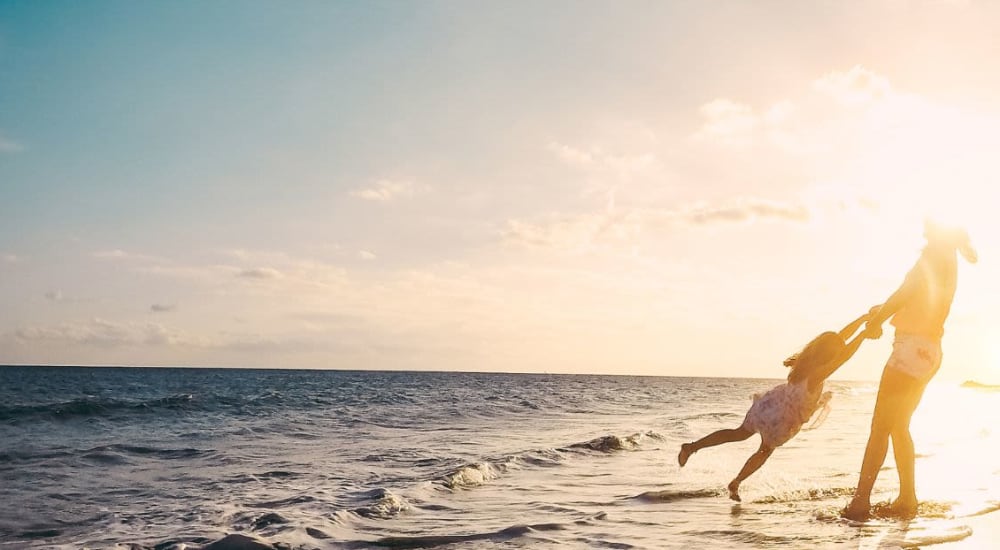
388 370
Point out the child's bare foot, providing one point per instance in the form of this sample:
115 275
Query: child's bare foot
685 454
857 510
734 490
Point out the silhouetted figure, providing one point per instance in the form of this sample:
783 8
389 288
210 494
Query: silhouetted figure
780 413
918 310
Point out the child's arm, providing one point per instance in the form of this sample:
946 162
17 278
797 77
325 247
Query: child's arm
844 333
854 325
824 372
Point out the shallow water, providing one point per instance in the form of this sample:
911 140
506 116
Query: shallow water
333 459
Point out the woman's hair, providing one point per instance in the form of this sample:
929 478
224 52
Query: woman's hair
951 237
820 351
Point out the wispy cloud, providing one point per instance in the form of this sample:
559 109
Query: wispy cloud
598 158
260 273
54 296
743 211
573 232
385 190
10 259
727 121
583 231
162 308
807 123
854 87
367 255
107 334
8 145
119 254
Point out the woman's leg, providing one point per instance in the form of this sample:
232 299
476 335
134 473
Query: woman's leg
711 440
753 464
902 449
886 403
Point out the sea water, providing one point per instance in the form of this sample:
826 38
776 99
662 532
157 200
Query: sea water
176 458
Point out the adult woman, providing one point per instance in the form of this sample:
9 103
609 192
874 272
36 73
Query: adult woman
918 310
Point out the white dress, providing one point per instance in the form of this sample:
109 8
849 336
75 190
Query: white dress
780 413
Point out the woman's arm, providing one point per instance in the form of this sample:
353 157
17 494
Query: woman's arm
896 302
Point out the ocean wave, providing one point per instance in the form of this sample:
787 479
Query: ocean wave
746 537
972 384
106 454
14 456
612 443
386 505
711 416
156 452
473 475
269 521
280 503
483 472
989 509
672 496
90 406
270 474
500 535
812 494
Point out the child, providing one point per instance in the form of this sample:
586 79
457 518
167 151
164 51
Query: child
780 413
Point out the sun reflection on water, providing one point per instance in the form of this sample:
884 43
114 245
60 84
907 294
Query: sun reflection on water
956 443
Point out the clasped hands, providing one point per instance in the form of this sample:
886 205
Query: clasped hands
873 331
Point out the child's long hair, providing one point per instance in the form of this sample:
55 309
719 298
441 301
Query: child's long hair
820 351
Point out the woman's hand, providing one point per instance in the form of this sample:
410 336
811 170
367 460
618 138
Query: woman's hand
873 331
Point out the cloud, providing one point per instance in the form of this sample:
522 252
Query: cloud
571 155
119 254
8 145
853 87
727 121
54 296
576 232
110 254
366 255
731 123
385 190
162 308
804 125
10 259
106 334
582 232
260 273
743 211
598 159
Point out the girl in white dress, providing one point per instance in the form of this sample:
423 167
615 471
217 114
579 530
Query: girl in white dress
780 413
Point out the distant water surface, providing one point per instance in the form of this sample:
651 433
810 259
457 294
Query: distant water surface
108 457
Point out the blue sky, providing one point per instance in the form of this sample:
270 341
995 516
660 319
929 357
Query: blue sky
565 186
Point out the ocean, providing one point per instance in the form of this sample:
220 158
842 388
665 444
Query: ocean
179 458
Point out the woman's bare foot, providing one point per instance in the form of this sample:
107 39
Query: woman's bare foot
902 509
685 454
857 510
734 490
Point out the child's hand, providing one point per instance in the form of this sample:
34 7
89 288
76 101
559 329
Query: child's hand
872 332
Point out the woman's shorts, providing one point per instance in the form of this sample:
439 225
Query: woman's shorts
916 356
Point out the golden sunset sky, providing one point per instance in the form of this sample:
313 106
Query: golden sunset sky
666 188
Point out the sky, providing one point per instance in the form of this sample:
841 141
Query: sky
651 188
